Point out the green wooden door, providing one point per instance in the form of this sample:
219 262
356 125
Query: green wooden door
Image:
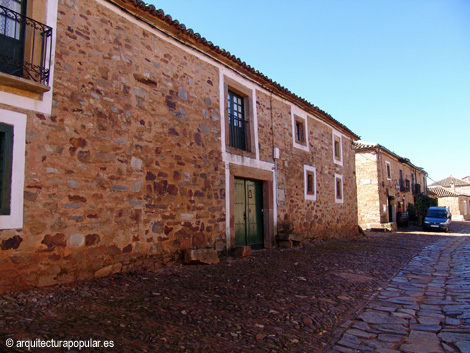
249 213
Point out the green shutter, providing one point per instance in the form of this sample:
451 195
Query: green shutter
6 159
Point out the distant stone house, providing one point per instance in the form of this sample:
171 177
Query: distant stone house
453 193
156 141
386 183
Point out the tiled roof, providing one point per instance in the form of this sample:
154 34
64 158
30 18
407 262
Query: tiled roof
441 192
447 182
157 18
364 146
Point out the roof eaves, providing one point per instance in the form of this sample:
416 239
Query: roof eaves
364 146
176 30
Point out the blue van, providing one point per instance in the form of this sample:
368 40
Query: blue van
438 218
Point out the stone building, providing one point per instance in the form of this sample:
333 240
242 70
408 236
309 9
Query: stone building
386 184
156 141
454 193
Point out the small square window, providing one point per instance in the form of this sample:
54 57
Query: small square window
339 191
299 131
389 170
337 148
339 195
310 182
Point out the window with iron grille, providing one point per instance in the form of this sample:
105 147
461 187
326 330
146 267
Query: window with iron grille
6 157
237 121
25 44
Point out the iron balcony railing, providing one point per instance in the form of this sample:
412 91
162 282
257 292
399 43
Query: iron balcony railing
237 131
417 189
25 46
404 185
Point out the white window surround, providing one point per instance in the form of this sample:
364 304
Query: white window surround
387 163
232 79
340 136
313 170
339 200
43 105
297 114
18 120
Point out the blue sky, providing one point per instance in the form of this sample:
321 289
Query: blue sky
394 72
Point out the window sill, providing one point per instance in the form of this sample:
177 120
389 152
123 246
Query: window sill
233 150
22 84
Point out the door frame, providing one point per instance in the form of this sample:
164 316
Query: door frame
238 171
252 211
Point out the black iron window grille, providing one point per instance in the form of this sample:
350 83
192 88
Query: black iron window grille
237 122
25 45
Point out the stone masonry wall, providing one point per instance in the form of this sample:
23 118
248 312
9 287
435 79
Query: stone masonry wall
372 165
458 206
127 170
367 189
323 218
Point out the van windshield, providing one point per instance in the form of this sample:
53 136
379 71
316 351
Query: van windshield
437 214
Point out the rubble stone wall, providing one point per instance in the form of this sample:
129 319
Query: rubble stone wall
322 218
367 179
373 198
127 171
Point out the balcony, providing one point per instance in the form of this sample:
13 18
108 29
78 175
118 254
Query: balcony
416 189
25 49
404 185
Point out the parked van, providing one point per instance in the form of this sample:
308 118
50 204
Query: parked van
437 218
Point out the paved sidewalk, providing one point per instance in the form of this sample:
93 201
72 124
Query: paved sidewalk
425 308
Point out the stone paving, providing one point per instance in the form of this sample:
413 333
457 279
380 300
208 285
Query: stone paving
283 300
424 309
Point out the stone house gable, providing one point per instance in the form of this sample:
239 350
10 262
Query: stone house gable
135 162
386 183
454 193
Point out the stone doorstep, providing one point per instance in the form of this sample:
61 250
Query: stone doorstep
290 240
241 251
382 227
201 256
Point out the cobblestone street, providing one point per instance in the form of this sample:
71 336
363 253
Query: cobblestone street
425 308
292 300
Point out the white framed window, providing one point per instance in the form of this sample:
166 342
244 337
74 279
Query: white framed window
239 111
337 147
310 183
299 129
34 49
13 195
339 192
388 168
